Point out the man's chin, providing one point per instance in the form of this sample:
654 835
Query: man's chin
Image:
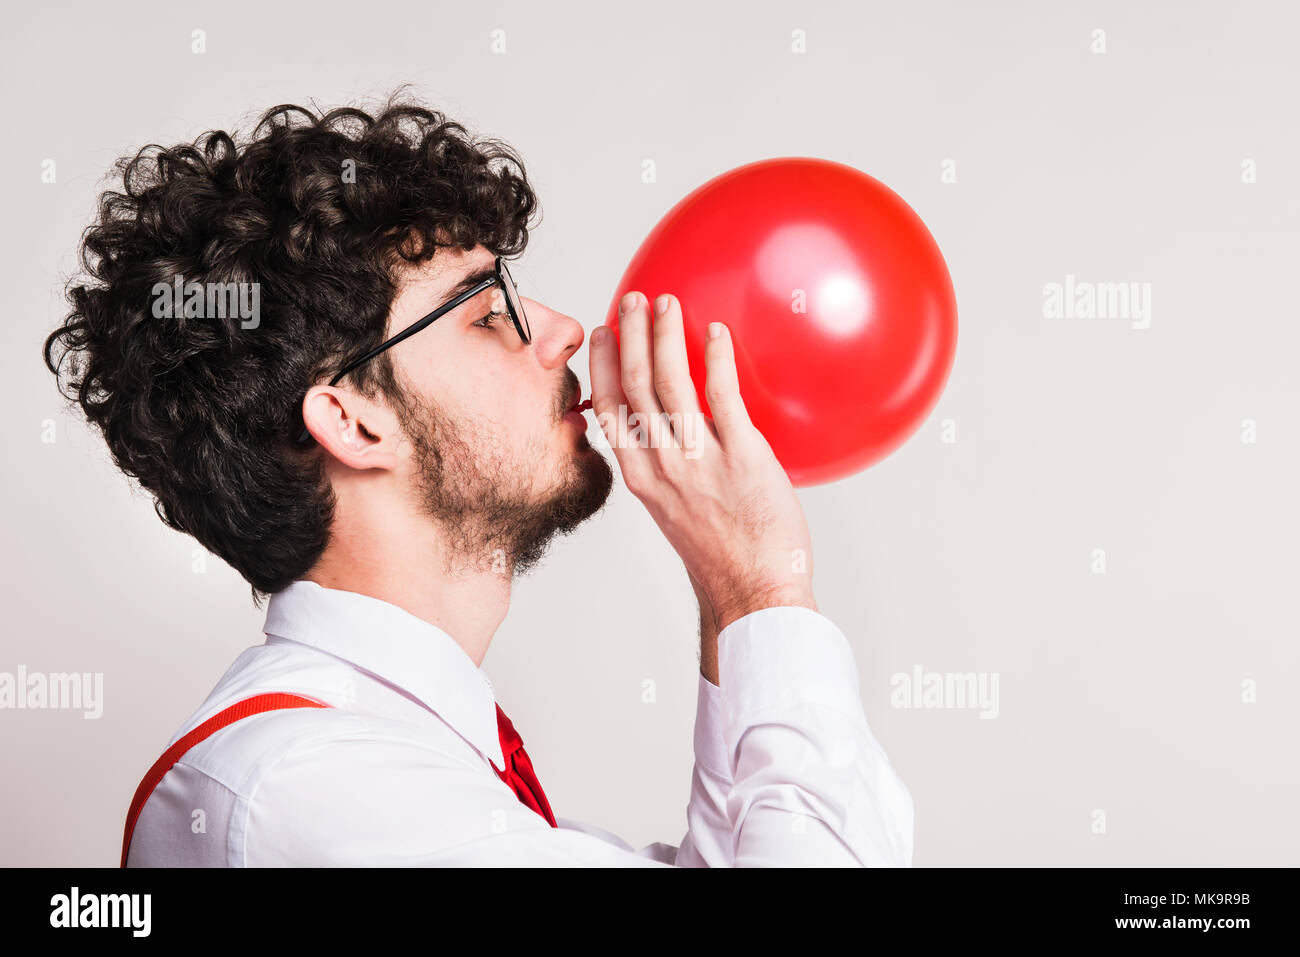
590 489
582 497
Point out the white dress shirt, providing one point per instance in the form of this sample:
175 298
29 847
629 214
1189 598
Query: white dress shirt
400 770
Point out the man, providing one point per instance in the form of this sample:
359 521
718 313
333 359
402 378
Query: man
382 449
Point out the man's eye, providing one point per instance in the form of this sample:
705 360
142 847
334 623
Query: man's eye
491 317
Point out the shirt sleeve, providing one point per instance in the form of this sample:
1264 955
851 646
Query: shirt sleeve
708 828
810 785
787 773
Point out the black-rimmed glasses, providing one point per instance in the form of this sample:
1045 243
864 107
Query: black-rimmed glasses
513 305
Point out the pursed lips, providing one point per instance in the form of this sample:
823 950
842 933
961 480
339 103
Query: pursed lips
575 405
572 406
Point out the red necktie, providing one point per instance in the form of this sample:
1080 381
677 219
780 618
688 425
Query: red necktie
519 769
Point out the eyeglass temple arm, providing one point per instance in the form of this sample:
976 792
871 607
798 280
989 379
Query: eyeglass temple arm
304 436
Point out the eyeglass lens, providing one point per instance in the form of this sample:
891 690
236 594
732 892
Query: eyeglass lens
516 307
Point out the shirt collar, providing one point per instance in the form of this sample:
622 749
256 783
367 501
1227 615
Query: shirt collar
398 647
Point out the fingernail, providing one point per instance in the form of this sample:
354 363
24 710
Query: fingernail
661 305
715 330
598 335
626 305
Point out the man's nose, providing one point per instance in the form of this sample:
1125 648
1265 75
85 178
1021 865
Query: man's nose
556 337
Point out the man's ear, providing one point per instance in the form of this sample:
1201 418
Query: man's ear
357 432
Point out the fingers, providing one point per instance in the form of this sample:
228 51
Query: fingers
672 374
642 393
722 388
634 346
607 395
636 349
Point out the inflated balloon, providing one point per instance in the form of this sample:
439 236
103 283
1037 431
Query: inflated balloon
837 297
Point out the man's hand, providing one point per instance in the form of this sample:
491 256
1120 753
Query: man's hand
715 489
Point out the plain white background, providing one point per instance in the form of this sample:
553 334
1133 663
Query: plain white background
1119 693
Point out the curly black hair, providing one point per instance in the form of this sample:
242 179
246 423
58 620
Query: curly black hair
321 209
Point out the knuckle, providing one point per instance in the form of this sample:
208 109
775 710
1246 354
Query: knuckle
666 384
662 432
637 482
636 378
717 393
673 471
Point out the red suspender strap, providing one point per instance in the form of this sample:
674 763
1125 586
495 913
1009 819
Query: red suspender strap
241 709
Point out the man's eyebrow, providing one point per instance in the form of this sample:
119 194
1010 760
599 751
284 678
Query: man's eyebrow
471 280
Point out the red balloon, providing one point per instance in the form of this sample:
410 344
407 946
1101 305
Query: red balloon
837 297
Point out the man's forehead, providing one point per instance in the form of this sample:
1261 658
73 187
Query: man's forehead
449 271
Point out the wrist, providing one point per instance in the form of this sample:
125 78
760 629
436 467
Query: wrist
799 596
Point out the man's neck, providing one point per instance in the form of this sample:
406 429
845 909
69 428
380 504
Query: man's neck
469 605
